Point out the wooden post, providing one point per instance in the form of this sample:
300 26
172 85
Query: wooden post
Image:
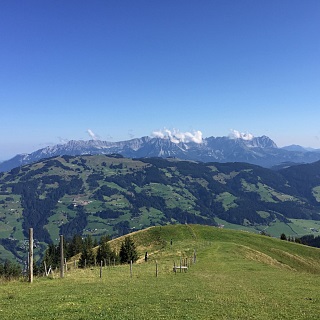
65 263
174 267
194 256
61 257
31 255
156 268
75 264
100 269
130 268
180 264
114 262
85 263
45 268
109 262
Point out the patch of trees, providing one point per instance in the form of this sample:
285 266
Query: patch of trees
154 175
56 163
303 178
246 210
311 240
116 166
144 199
11 245
92 180
193 169
87 257
104 252
74 186
186 217
122 227
76 225
158 162
115 155
90 255
290 209
104 191
10 270
70 247
32 173
109 214
67 158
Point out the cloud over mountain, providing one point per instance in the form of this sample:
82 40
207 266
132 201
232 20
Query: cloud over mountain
176 136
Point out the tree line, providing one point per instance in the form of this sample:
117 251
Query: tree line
308 240
91 251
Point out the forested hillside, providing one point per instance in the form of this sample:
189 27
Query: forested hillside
113 195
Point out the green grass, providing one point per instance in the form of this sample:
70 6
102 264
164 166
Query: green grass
238 275
227 199
316 193
297 227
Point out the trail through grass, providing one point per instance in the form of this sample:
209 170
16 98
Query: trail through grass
237 276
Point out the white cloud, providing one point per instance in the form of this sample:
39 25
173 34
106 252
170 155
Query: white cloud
92 135
240 135
177 136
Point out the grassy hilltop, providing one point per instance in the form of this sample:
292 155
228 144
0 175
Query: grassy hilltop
237 275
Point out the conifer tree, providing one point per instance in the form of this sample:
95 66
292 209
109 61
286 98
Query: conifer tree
128 251
104 251
283 236
87 254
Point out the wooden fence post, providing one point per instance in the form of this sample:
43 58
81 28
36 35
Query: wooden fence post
31 255
174 267
100 269
45 268
130 268
61 257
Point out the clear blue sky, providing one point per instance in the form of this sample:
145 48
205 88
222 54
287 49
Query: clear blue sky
127 68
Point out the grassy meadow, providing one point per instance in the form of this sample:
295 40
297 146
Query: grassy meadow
237 275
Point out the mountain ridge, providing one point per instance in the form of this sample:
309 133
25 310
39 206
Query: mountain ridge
261 151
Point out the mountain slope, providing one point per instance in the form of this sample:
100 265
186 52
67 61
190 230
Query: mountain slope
258 150
114 195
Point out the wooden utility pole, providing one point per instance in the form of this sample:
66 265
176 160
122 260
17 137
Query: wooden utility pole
61 257
31 255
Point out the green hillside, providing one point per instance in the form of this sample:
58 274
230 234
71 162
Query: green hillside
112 195
237 275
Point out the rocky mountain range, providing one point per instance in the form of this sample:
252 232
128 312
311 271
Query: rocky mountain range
257 150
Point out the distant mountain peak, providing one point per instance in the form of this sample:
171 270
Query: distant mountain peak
235 134
239 147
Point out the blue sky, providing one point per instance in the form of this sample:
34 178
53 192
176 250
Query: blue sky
124 69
